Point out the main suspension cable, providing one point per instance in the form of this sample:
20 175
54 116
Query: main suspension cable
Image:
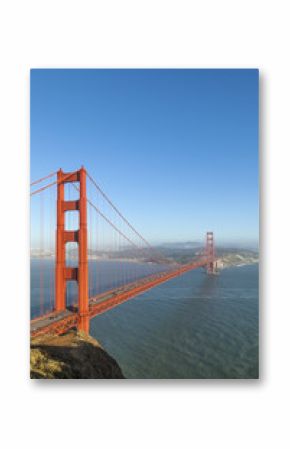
107 219
53 183
42 179
157 253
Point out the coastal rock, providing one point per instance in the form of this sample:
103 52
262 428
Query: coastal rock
71 356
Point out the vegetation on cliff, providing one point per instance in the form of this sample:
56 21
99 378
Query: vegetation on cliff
71 356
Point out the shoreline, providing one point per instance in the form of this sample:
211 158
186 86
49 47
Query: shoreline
239 265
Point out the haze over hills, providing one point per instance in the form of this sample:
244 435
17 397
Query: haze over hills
180 245
228 256
242 244
180 252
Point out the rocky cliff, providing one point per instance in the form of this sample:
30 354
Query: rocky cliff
71 356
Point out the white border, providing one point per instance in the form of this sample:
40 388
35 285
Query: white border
202 414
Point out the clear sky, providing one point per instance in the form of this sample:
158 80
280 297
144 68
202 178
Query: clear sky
176 150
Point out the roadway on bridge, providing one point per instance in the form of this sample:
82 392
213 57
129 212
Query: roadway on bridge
60 322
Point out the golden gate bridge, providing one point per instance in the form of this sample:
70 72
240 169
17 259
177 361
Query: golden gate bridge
96 229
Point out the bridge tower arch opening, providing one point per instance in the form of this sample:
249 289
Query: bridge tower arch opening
63 272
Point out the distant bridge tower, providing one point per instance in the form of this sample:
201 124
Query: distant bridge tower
64 273
210 253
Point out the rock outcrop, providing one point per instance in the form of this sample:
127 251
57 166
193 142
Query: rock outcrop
71 356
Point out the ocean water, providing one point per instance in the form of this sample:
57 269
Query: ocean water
195 326
104 275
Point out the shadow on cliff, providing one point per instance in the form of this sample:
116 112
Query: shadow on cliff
74 359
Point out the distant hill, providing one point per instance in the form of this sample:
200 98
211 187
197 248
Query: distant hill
180 245
180 252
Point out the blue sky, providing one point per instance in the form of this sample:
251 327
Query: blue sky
176 150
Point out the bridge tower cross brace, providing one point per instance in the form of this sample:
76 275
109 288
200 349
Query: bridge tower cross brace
210 253
64 273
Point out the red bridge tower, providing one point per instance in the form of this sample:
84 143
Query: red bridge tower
64 273
210 253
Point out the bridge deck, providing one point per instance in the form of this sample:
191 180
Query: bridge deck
60 322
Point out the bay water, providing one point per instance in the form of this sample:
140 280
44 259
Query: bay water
195 326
